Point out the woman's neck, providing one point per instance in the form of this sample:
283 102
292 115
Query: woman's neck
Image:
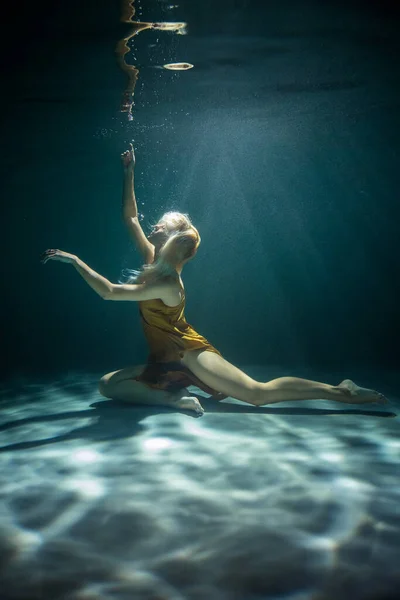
177 268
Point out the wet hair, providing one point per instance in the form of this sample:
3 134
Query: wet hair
181 245
175 221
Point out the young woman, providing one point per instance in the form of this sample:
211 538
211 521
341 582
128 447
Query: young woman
179 356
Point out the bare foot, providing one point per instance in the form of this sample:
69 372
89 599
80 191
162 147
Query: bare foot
190 403
360 395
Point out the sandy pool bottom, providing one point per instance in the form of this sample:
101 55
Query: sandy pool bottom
101 500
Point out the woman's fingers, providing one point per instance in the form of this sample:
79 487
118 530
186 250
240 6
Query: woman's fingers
48 254
130 152
44 258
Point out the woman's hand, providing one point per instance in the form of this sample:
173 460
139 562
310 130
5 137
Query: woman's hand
128 158
57 255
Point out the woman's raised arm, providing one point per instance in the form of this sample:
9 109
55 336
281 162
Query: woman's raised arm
129 207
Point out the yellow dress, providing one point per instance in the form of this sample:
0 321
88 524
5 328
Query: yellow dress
169 336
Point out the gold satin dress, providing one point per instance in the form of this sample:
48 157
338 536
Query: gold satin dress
169 336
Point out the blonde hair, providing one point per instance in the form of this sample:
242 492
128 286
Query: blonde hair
175 221
180 247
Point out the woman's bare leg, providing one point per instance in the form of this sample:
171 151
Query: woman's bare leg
121 385
224 377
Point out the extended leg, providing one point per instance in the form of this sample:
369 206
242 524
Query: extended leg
219 374
294 388
121 385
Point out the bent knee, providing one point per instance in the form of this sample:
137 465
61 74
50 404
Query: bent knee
104 386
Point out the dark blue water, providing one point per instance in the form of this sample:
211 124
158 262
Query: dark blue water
282 144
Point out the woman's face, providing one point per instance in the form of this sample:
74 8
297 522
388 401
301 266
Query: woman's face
159 234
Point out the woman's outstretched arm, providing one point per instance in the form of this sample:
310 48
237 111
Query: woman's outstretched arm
107 290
